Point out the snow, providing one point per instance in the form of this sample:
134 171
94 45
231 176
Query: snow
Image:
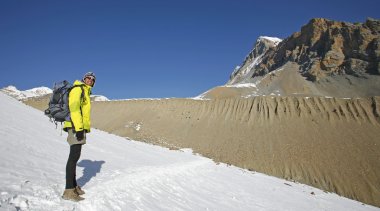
200 97
99 98
275 40
135 125
242 85
244 73
21 95
138 99
235 70
37 92
40 91
122 174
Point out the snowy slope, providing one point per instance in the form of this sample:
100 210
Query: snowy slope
121 174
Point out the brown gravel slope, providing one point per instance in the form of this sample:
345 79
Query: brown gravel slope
331 143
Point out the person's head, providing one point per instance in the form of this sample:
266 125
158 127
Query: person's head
89 79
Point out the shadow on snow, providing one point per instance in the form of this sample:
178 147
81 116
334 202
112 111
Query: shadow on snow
91 168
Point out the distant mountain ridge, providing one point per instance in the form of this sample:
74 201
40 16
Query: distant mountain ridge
39 93
326 58
21 95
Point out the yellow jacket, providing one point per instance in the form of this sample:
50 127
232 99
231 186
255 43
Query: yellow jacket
80 108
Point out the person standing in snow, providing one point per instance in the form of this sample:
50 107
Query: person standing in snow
80 108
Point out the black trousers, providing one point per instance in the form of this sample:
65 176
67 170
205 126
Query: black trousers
71 165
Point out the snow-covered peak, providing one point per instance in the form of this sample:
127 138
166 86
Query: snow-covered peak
243 73
274 40
21 95
10 88
99 98
39 91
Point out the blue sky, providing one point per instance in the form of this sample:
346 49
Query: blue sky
148 48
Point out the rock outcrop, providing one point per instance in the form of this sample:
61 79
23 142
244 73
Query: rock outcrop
324 48
242 73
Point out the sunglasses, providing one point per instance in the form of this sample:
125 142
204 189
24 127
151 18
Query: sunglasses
91 78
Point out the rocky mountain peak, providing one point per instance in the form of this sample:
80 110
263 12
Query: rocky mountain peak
324 48
263 44
373 24
325 58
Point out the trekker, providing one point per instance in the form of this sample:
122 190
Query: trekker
80 107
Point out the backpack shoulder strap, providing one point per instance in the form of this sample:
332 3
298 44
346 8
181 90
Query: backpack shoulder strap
81 86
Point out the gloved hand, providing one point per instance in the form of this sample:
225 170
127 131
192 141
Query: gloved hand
80 135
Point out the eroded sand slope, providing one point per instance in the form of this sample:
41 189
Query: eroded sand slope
329 143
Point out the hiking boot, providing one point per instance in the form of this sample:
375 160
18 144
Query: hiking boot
79 190
71 194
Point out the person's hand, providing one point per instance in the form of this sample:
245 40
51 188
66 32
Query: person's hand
80 135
